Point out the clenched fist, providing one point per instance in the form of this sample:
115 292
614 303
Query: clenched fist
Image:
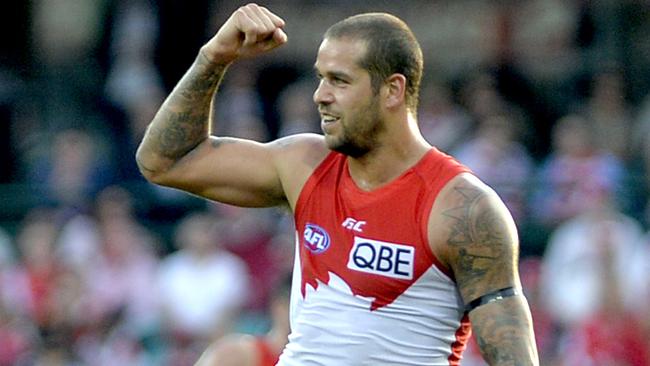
250 30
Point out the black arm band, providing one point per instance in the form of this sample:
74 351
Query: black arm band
491 297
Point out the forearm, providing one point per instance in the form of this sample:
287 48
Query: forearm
183 120
504 332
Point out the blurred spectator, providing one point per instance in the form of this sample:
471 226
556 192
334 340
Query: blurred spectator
248 234
544 33
443 123
39 268
575 175
298 113
260 350
495 154
238 111
609 114
73 170
202 287
66 82
481 98
17 335
120 278
133 83
572 278
613 334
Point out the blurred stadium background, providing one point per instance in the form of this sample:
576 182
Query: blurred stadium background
547 100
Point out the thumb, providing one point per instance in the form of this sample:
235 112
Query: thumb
250 38
279 36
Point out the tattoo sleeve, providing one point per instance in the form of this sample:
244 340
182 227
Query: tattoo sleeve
183 121
484 251
479 241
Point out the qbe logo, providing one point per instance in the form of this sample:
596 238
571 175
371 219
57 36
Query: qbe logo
382 258
316 239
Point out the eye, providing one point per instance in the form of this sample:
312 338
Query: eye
338 81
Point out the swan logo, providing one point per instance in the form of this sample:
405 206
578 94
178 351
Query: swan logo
316 239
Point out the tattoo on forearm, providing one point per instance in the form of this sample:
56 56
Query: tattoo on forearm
504 338
477 235
205 81
183 120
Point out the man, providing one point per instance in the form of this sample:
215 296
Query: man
399 247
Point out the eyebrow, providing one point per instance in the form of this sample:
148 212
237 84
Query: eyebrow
335 74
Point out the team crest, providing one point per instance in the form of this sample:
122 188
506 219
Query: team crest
316 239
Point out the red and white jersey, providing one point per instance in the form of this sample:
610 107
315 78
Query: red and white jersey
367 289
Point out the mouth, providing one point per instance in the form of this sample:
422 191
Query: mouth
327 118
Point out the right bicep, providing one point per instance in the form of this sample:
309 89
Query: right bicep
229 170
248 173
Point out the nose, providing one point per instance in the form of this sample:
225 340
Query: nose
322 94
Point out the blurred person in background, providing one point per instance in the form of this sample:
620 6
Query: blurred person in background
133 83
73 169
496 155
372 161
242 104
573 264
296 113
18 335
119 276
575 174
613 334
201 287
443 122
262 350
40 267
609 113
247 234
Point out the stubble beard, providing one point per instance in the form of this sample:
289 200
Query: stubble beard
359 136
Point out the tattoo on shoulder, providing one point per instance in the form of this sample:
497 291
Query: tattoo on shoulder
477 235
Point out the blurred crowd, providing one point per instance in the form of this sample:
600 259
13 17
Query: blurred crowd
547 101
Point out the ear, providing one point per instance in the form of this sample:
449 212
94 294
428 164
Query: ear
395 91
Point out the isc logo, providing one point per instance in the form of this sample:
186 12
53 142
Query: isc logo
316 238
382 258
353 224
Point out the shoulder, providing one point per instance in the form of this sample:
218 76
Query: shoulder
296 157
233 350
473 234
302 142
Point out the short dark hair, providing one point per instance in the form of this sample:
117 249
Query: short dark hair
391 47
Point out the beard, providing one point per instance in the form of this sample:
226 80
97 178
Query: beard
359 134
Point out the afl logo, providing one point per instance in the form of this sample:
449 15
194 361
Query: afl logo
316 239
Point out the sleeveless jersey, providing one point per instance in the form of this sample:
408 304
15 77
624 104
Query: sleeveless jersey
367 289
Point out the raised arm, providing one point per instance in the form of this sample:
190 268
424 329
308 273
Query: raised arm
177 149
479 244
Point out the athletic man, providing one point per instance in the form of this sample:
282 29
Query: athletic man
399 247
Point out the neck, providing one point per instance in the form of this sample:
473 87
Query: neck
397 150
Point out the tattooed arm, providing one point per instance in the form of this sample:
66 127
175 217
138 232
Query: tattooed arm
177 149
478 243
